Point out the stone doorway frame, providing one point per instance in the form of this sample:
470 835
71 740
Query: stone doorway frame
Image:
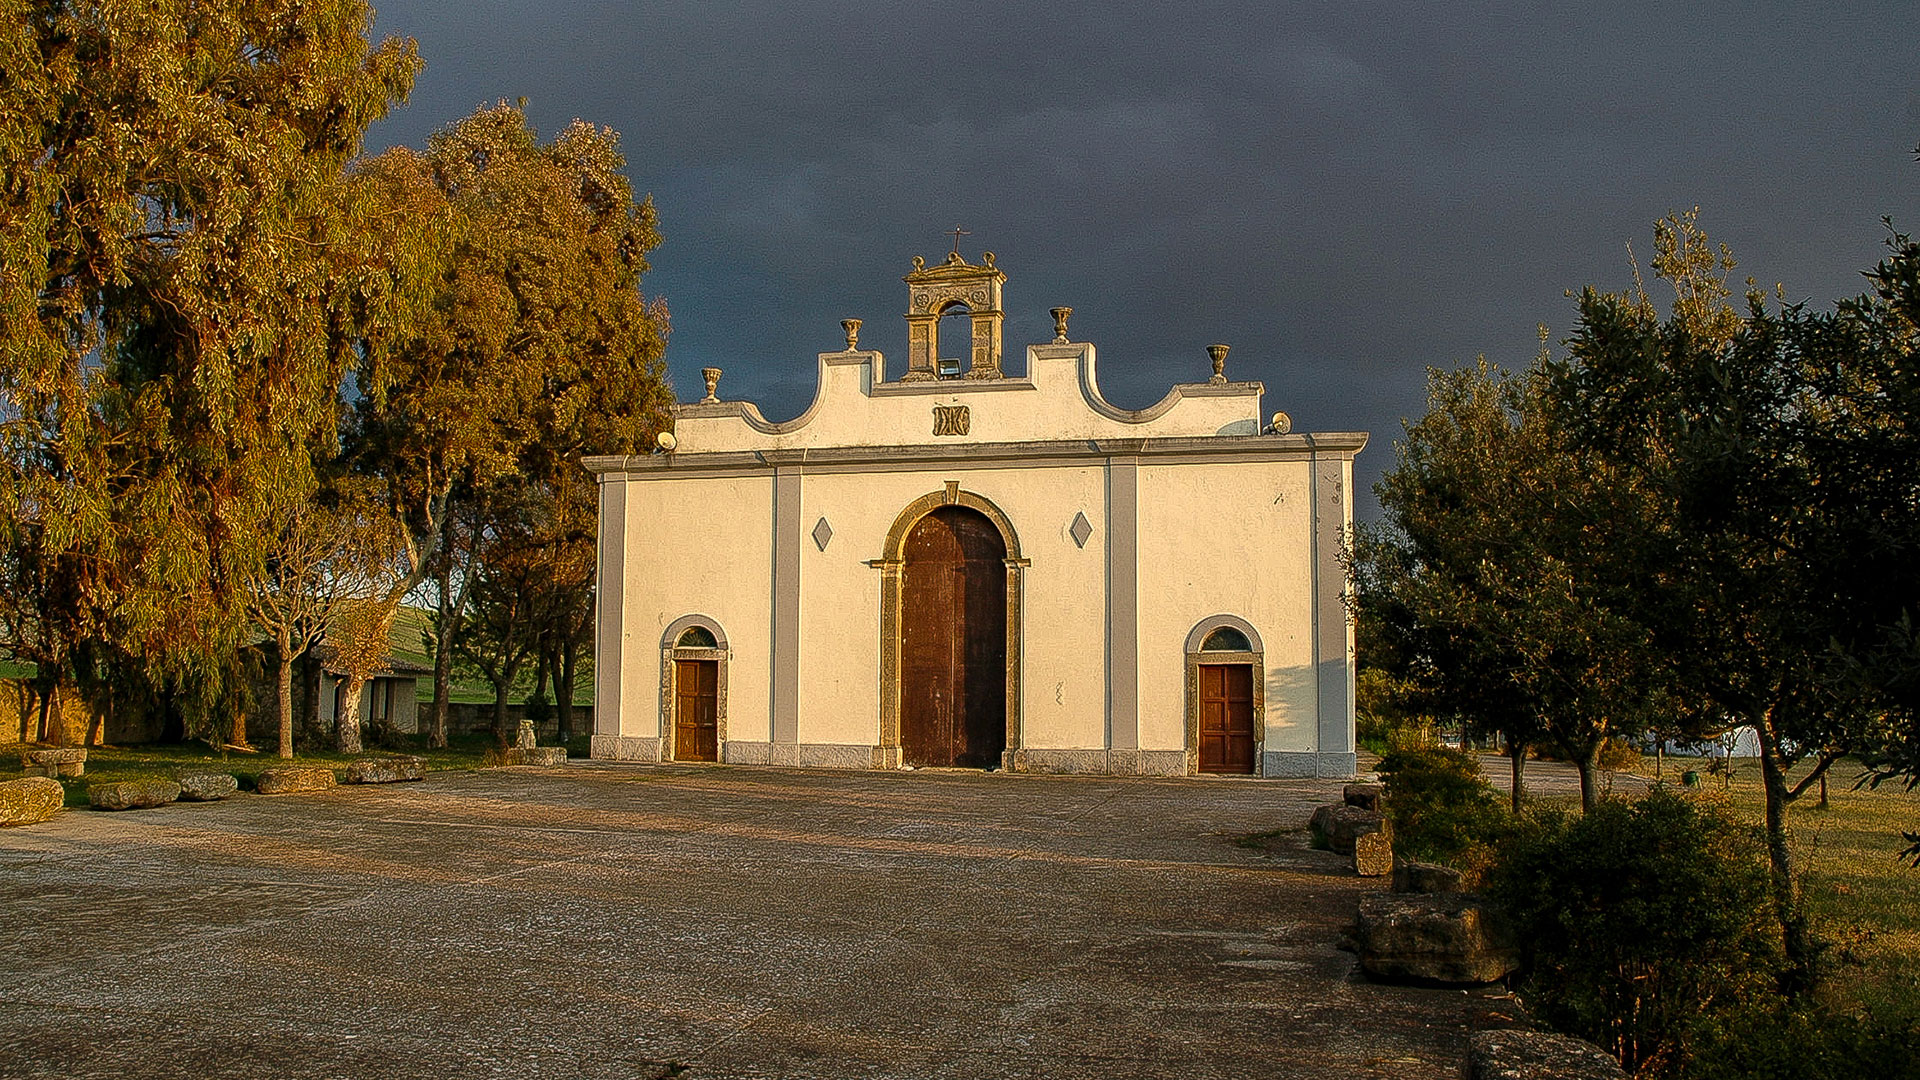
671 650
1256 657
892 564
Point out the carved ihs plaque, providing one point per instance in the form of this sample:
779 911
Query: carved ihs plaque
951 420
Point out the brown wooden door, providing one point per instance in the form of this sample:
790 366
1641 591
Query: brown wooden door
696 721
1226 718
953 649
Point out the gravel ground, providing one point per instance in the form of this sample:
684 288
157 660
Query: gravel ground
603 920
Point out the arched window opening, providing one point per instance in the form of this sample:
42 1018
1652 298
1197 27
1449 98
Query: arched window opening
953 334
1226 639
697 637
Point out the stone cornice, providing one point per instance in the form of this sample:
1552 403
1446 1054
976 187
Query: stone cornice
1197 449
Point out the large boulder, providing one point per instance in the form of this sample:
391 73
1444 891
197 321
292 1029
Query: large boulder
207 786
30 800
1425 877
1537 1055
1338 824
1373 854
1451 939
291 779
64 761
1364 796
391 770
132 794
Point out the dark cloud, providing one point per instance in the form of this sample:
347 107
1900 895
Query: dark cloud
1346 193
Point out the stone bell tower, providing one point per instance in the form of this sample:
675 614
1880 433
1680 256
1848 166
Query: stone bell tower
931 291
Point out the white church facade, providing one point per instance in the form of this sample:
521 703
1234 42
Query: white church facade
971 568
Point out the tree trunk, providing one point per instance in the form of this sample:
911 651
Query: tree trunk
538 704
563 689
237 727
29 708
347 705
1585 762
500 689
96 727
47 699
1795 936
310 683
1517 761
452 610
284 683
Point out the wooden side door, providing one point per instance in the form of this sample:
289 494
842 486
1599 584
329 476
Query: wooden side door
1226 718
953 649
696 725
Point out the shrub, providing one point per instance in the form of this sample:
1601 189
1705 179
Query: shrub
1619 755
1644 924
1441 809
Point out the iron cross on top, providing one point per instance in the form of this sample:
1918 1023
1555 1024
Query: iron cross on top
958 232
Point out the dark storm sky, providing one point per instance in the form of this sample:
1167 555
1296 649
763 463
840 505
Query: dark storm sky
1345 193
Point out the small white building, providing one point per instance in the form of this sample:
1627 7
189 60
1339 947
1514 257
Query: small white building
979 569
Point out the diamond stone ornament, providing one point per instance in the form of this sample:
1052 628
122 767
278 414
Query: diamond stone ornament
822 532
1080 530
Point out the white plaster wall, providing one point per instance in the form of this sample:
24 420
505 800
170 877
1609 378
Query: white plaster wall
1059 399
1233 539
1063 668
698 546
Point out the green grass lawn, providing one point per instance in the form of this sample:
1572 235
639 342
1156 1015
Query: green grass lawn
1864 900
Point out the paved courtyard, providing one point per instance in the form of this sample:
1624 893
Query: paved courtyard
605 920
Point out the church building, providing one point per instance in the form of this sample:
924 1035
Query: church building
962 566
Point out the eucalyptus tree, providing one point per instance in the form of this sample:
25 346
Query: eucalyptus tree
183 290
541 347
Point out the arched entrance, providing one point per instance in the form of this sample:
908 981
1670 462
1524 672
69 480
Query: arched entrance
1226 696
953 647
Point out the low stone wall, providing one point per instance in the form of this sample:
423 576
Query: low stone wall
466 718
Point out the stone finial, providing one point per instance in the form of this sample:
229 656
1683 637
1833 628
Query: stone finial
1060 324
712 375
1219 355
852 327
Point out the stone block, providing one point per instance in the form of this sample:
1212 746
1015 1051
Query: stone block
1537 1055
132 794
65 761
207 786
292 779
1372 854
538 755
1338 824
629 748
1422 877
31 800
1453 939
391 770
1364 796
